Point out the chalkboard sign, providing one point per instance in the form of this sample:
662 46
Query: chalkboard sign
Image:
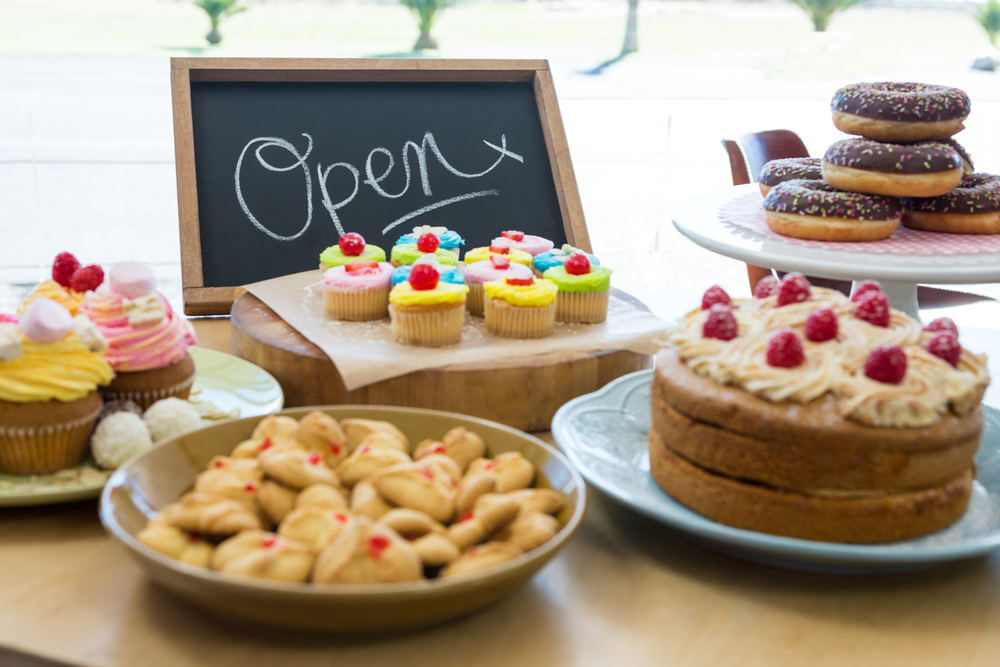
277 159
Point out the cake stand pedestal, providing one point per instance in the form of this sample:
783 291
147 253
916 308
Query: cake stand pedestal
731 222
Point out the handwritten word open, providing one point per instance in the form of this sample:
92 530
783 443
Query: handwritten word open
419 151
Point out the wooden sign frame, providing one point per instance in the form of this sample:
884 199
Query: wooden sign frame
202 300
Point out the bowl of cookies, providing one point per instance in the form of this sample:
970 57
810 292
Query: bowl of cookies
345 518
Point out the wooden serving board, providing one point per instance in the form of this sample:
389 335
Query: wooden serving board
522 392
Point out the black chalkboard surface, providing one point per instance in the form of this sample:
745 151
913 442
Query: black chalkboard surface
285 165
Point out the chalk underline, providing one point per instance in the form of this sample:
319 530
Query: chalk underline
431 207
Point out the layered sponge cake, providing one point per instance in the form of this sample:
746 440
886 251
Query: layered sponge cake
809 415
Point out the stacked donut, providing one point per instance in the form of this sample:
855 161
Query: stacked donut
903 166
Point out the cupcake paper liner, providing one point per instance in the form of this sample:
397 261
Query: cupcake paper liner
147 397
46 448
474 299
510 321
582 307
357 305
432 328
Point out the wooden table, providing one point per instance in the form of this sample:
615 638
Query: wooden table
626 591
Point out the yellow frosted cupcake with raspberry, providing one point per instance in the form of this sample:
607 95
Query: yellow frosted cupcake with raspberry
69 283
51 365
484 253
520 307
584 289
425 310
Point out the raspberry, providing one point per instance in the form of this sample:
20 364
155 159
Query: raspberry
821 325
63 268
577 264
784 350
499 262
423 277
714 295
363 266
886 363
428 243
864 288
513 235
497 250
766 286
530 280
873 308
945 346
352 244
721 323
86 278
794 288
376 545
943 324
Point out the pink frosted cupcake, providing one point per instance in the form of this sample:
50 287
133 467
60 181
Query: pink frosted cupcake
533 245
495 268
147 341
358 291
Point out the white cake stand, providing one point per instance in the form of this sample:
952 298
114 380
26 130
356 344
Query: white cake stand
731 223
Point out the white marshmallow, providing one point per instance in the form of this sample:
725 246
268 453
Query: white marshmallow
133 279
10 343
45 321
89 334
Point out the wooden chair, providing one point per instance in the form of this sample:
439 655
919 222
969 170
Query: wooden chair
748 153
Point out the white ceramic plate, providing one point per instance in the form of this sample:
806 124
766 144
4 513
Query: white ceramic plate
605 435
227 381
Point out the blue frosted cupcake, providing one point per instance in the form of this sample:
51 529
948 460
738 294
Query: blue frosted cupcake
558 257
449 240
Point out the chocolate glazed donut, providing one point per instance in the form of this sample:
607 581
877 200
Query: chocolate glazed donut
818 211
788 169
900 112
926 169
971 208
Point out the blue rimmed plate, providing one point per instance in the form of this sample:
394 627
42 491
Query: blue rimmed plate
605 435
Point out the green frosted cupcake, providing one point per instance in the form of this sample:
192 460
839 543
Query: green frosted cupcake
584 289
350 248
406 254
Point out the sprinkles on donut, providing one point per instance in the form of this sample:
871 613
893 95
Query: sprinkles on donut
925 169
788 169
971 208
900 112
815 210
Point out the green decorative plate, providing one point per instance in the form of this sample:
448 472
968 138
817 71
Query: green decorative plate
227 382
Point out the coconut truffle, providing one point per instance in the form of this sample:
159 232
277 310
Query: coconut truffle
118 437
169 417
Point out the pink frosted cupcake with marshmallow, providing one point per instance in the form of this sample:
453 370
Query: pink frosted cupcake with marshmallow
533 245
358 291
495 268
147 341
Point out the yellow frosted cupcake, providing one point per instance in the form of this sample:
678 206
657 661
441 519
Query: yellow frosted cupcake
483 254
520 308
584 289
425 310
51 365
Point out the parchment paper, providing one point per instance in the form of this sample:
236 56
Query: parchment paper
365 352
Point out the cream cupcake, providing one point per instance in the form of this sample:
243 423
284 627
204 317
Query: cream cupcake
583 290
425 310
51 366
517 308
477 273
358 291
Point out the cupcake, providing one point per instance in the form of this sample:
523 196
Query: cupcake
583 290
426 310
358 291
484 253
428 244
558 257
495 268
447 274
51 366
533 245
147 341
69 282
449 240
520 308
350 248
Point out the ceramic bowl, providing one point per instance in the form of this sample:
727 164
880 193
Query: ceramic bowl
155 478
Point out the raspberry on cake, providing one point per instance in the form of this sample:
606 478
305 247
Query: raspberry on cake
809 416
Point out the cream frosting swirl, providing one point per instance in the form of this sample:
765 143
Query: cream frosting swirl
931 387
138 348
62 371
